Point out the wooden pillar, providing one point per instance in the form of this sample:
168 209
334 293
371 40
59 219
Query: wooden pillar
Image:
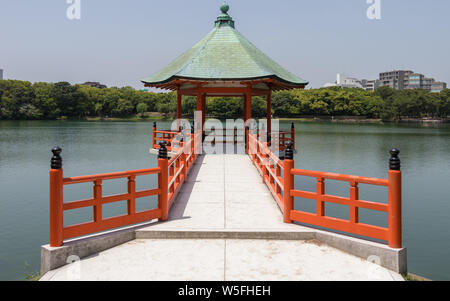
244 107
179 104
248 103
179 108
201 109
204 109
199 101
269 113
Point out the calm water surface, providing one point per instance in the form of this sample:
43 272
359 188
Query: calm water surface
96 147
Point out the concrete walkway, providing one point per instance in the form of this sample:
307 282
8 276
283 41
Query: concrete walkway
224 225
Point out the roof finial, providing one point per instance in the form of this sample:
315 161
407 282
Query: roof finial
225 7
224 18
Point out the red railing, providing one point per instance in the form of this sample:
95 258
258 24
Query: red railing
171 176
270 168
283 137
169 137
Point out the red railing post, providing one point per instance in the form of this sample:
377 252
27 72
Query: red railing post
264 163
288 183
293 135
56 199
247 133
183 161
154 135
192 145
163 182
131 203
354 196
98 191
395 201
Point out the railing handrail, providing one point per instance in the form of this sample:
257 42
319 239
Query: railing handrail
168 132
340 177
110 176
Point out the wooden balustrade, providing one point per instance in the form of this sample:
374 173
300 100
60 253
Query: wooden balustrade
171 175
270 167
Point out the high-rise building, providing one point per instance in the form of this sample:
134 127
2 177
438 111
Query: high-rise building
415 81
427 82
396 79
437 87
1 74
400 80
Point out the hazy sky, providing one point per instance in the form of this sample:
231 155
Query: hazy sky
119 42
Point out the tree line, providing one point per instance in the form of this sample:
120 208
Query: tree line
22 100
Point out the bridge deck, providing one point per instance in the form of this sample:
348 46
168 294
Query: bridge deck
225 225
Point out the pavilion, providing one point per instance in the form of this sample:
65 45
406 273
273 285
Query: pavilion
224 64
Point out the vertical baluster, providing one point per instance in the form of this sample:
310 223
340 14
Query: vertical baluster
178 169
277 170
98 201
264 163
131 203
172 174
320 192
354 196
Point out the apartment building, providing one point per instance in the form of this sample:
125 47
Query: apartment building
396 79
401 79
437 87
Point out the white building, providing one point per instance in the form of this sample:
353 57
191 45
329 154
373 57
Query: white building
350 82
372 85
345 82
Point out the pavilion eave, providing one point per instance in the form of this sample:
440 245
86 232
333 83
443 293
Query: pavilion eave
272 83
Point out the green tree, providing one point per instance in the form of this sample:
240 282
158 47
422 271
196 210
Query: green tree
142 108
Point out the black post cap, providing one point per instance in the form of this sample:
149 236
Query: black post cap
394 161
162 154
292 126
56 161
154 124
289 152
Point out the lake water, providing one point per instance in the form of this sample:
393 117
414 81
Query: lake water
97 147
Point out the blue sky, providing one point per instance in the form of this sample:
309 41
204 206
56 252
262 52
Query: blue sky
119 42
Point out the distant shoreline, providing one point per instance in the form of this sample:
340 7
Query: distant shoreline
327 119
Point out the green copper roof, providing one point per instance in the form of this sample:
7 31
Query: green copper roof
224 54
